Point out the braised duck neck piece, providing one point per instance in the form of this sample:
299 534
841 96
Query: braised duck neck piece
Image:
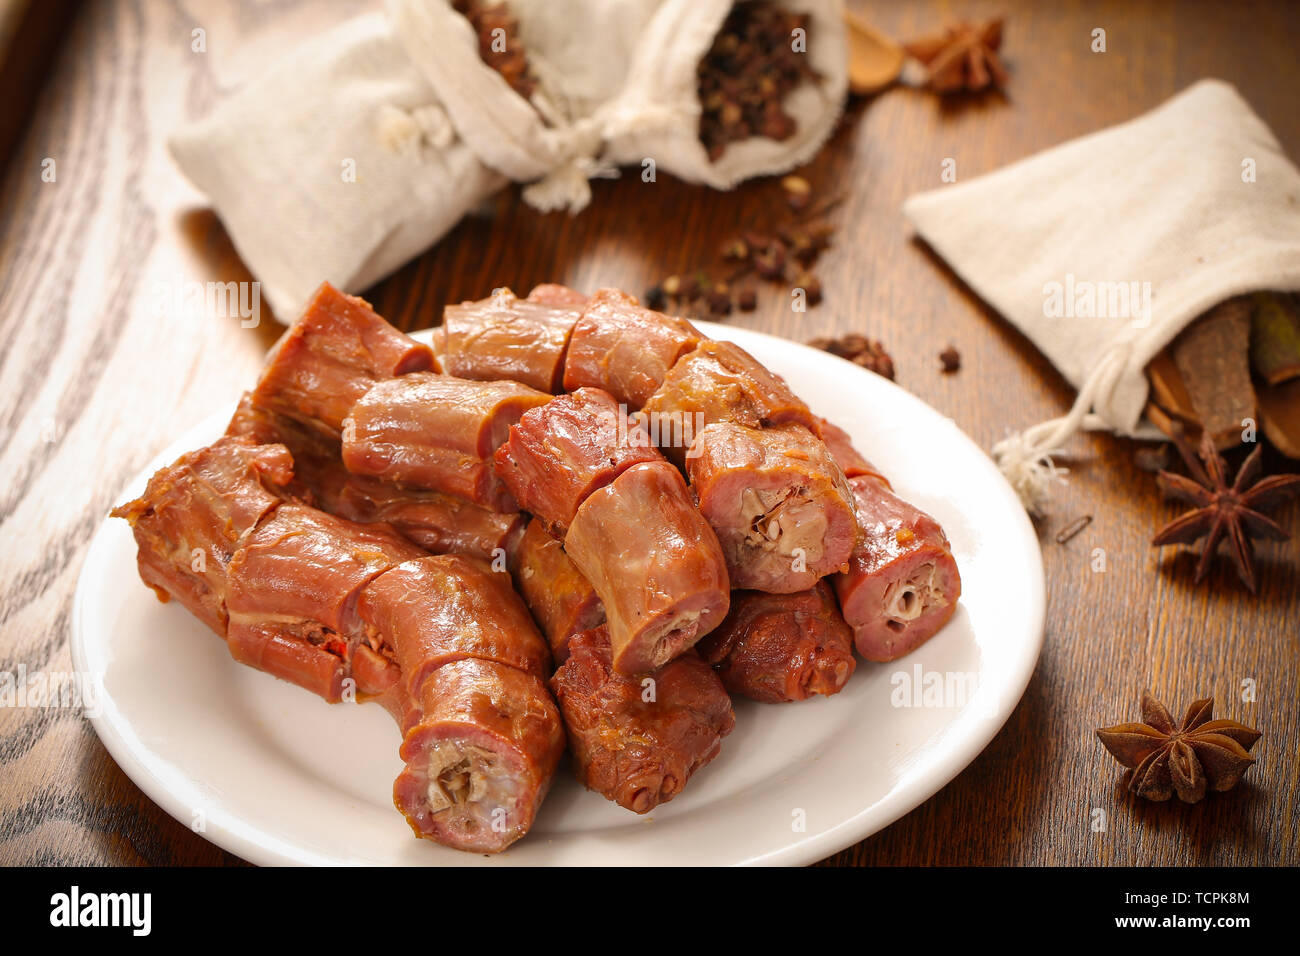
902 584
721 382
560 453
625 349
562 600
330 357
482 736
507 338
782 647
439 523
437 433
194 514
654 562
779 504
638 741
480 757
294 585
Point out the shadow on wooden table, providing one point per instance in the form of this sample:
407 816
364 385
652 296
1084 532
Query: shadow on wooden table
207 240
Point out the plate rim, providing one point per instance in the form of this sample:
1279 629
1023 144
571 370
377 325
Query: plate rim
231 832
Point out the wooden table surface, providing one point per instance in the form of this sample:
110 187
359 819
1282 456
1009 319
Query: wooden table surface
93 384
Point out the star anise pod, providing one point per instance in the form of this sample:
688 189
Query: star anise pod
1185 758
963 57
1224 511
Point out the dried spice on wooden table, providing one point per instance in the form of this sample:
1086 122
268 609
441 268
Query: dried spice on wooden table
798 192
745 77
859 350
1071 530
784 255
1213 360
963 57
499 44
1275 337
1224 511
1184 759
1238 362
1151 457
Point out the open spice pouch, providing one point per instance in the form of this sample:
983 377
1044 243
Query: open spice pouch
364 146
1103 249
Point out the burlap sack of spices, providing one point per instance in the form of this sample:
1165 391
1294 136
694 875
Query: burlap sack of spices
1103 249
364 146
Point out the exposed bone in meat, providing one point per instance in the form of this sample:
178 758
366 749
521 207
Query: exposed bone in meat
482 737
654 562
782 647
480 750
193 514
330 357
437 433
902 584
638 741
505 337
778 502
562 600
560 453
625 349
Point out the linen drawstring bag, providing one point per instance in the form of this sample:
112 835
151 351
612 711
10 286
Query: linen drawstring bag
364 146
1103 249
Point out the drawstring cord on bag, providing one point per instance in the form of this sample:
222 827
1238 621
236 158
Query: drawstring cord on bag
1026 458
567 185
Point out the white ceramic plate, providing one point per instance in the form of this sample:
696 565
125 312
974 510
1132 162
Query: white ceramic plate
277 776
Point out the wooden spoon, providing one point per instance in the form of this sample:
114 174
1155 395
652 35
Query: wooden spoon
874 59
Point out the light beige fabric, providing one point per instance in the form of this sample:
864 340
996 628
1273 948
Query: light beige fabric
1155 221
431 130
337 164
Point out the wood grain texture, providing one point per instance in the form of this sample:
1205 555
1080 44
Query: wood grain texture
93 383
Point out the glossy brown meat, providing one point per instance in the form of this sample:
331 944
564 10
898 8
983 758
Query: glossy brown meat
438 523
625 349
330 357
779 504
318 472
638 741
480 753
508 338
560 453
563 602
442 608
721 382
552 293
654 562
293 589
850 460
437 433
193 514
782 647
902 585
